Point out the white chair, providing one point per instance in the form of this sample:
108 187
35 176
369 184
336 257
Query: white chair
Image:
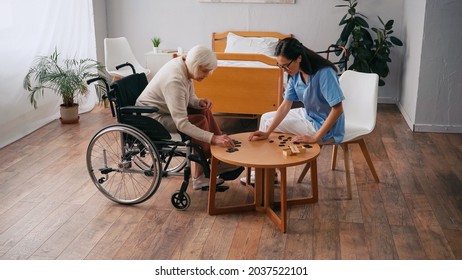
117 51
360 109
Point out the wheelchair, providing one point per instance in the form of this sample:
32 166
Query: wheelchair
126 161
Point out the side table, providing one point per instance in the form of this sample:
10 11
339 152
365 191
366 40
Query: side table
265 156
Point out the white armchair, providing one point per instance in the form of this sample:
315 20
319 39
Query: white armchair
360 109
117 51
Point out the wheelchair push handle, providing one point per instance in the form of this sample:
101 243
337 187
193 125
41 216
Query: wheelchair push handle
107 94
126 64
99 79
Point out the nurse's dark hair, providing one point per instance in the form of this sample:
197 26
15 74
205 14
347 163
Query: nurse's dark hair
311 62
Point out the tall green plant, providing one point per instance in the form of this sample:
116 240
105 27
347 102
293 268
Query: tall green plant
64 77
370 55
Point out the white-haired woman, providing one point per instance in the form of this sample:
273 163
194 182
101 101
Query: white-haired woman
172 91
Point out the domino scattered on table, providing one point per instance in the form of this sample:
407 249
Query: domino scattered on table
290 150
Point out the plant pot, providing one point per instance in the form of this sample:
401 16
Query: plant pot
69 114
155 49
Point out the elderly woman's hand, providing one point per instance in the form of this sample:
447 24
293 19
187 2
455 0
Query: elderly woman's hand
223 139
205 103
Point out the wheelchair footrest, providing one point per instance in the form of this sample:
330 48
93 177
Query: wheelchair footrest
220 188
106 170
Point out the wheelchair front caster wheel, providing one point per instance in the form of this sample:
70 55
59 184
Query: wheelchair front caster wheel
181 201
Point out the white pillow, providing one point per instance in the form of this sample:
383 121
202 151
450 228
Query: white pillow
239 44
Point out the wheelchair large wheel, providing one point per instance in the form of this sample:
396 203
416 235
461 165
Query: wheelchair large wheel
177 161
124 164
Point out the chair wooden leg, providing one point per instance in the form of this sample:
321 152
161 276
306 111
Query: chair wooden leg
334 157
314 180
304 171
346 156
362 145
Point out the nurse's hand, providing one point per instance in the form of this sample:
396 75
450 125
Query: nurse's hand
258 135
305 139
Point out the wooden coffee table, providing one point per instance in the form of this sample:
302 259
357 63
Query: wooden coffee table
265 156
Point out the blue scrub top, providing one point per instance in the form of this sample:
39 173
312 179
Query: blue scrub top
320 93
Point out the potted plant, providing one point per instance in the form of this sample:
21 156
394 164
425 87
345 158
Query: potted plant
370 55
65 78
155 44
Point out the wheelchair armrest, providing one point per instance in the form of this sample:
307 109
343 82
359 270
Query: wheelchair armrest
138 109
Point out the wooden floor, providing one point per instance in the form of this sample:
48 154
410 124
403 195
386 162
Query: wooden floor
51 210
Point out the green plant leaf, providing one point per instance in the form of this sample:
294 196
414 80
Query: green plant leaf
379 36
381 83
366 36
389 24
380 67
396 41
347 31
360 21
363 67
344 20
381 21
352 11
359 14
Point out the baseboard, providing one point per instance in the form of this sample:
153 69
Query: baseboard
437 128
386 100
429 127
406 117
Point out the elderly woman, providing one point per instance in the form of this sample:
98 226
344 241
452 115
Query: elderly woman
172 91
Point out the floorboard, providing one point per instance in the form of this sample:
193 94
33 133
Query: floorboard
51 209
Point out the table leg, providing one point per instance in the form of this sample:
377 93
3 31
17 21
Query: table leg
280 221
269 185
212 208
259 191
314 187
212 186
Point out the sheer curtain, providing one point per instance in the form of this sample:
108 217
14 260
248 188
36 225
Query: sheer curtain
29 28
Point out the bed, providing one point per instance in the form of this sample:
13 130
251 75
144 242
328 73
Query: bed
247 80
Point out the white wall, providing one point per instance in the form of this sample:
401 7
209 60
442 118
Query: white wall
439 100
99 12
186 23
414 15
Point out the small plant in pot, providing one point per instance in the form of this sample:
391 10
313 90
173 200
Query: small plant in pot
66 78
155 44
